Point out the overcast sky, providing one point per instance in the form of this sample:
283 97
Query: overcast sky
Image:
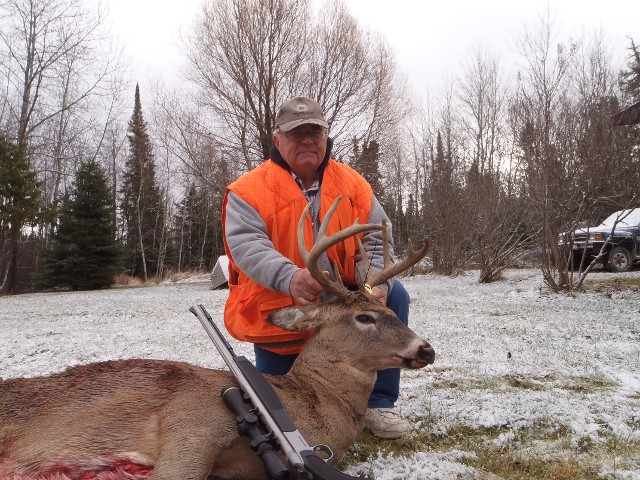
430 38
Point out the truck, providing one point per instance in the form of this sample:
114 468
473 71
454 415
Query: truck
619 233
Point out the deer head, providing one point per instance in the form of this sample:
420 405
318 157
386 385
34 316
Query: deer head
383 341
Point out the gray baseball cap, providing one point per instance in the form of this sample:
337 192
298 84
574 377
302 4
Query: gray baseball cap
298 111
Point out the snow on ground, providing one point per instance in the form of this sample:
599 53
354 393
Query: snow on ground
578 356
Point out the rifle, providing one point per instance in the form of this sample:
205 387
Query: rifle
267 424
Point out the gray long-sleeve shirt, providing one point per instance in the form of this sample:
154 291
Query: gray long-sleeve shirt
255 254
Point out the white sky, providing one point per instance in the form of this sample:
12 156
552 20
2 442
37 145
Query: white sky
430 38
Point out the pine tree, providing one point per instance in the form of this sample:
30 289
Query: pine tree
85 254
366 161
186 235
196 239
19 205
142 207
630 79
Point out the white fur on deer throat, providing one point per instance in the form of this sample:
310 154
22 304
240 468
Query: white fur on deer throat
296 318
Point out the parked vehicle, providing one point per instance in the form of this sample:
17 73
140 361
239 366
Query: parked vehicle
623 248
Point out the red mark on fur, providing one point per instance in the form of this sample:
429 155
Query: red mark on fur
118 470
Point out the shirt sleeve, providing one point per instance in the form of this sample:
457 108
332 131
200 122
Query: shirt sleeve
251 248
372 243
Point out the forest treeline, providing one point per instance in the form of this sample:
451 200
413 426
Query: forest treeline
498 163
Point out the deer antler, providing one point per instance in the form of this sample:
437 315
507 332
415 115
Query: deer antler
323 243
390 270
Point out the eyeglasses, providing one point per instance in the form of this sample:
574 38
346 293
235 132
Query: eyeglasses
316 135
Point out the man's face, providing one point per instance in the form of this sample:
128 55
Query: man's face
303 148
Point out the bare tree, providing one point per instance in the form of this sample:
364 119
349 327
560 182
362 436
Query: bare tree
604 153
443 199
495 224
187 140
482 97
197 173
571 152
353 74
540 105
246 57
54 62
49 44
58 60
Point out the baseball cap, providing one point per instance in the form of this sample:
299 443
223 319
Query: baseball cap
298 111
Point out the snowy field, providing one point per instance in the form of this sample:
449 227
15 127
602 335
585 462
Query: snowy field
511 358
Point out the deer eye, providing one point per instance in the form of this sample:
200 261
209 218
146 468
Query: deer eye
365 318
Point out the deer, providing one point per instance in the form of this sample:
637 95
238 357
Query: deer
166 420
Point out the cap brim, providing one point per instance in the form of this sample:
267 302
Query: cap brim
285 127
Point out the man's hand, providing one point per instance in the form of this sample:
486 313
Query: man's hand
304 288
379 294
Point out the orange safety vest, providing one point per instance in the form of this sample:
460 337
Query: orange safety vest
275 195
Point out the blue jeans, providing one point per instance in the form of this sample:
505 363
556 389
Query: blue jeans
387 386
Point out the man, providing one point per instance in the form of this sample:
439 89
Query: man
260 215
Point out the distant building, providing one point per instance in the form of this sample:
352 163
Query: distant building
628 116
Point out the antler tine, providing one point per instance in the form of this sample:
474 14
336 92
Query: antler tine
323 243
385 252
385 246
391 270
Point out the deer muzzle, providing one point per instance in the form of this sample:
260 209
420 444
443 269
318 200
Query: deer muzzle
421 355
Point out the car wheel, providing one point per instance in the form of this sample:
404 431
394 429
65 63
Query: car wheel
619 259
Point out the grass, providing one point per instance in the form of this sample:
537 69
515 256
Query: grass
538 383
587 385
544 450
608 285
539 452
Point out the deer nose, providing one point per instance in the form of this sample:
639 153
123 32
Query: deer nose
427 354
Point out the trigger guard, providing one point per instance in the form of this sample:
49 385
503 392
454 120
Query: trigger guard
325 450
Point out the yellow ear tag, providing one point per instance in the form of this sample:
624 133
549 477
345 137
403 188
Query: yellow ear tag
368 289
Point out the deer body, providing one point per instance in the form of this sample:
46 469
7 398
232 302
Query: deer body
170 415
129 409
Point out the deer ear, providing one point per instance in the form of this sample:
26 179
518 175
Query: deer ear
295 319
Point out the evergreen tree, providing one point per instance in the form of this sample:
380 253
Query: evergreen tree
366 161
442 165
630 79
19 205
196 236
85 254
191 230
443 212
142 207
